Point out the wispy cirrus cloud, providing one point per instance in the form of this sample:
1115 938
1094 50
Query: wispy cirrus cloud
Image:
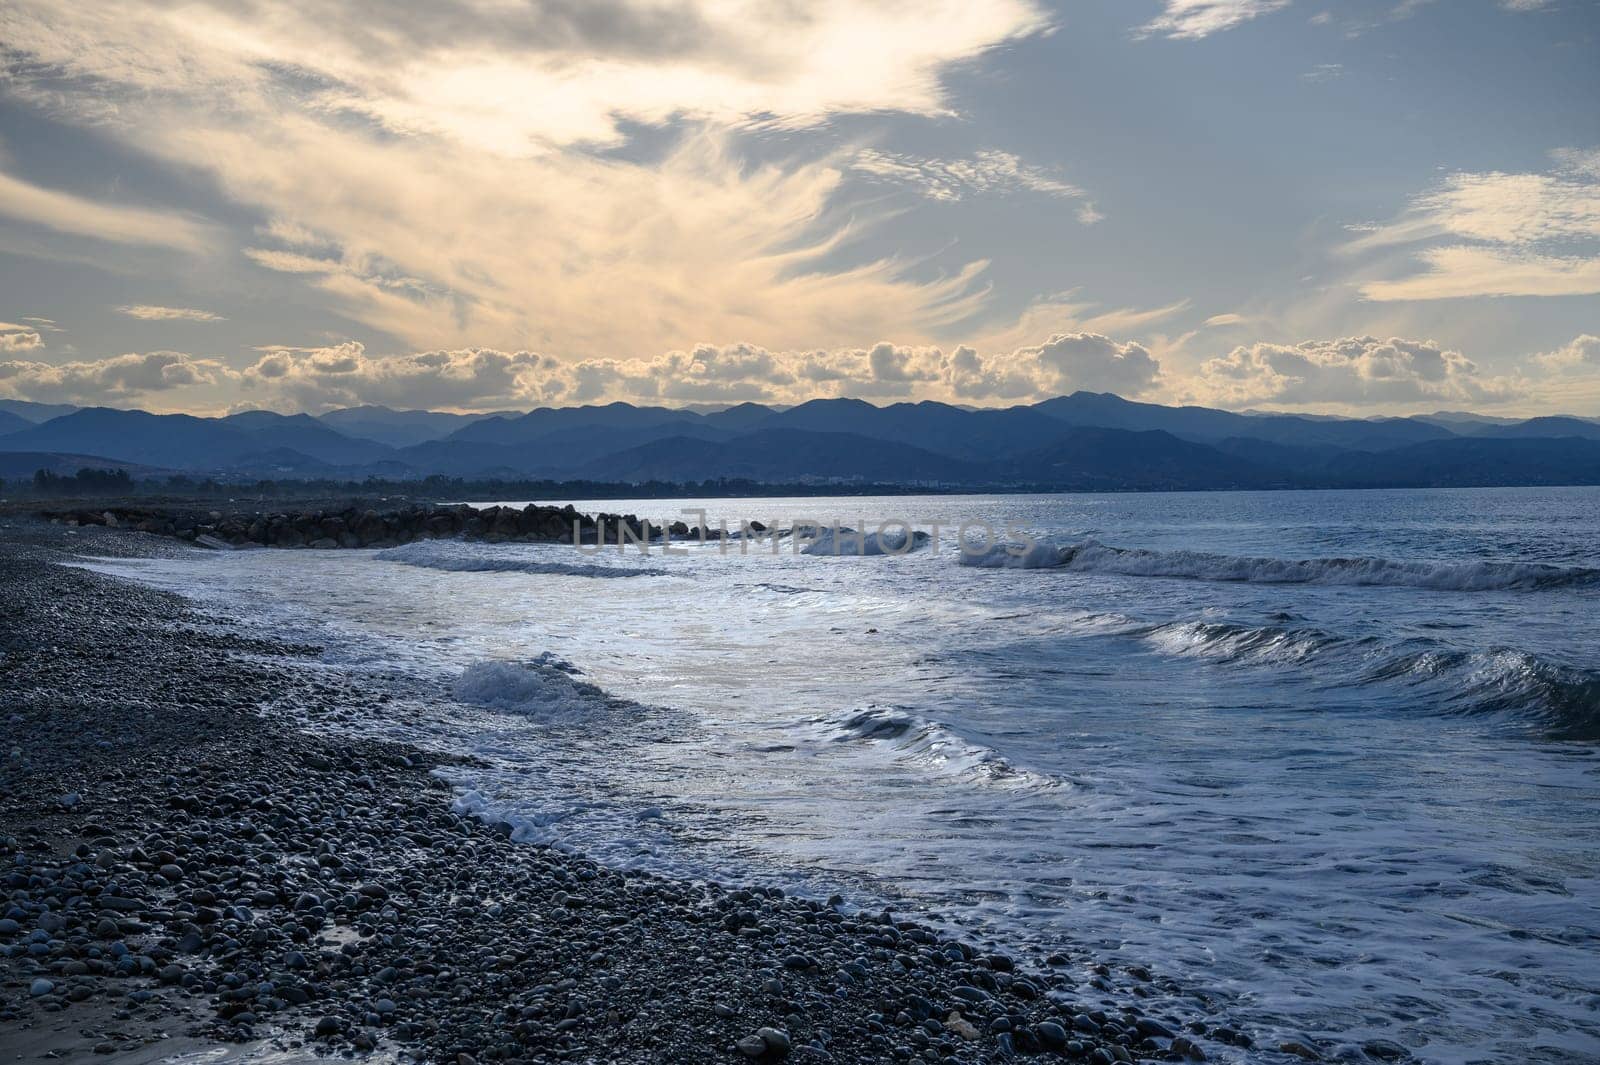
1196 19
435 170
81 216
950 180
149 312
1499 234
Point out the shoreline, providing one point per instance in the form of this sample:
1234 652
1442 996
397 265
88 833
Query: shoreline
183 865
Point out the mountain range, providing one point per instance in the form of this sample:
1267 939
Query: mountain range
1083 441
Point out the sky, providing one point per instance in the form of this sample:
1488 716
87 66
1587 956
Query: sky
1364 207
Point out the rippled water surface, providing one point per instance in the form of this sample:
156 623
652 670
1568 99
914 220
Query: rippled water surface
1325 760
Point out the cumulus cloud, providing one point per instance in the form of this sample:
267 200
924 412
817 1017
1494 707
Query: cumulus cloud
952 179
1583 353
347 374
1350 371
1498 234
1333 374
152 313
117 379
1194 19
1092 362
16 338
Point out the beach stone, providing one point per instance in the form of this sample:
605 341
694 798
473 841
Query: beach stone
41 987
1051 1035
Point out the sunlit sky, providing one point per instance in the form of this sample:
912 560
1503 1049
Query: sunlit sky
1362 206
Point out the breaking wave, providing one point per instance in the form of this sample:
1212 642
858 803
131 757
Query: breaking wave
1557 701
1560 701
458 556
1228 642
545 688
1091 556
1035 555
843 541
915 740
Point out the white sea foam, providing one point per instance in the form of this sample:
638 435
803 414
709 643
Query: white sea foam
1036 555
461 557
544 688
1091 556
844 541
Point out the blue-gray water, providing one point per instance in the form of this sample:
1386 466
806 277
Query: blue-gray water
1324 759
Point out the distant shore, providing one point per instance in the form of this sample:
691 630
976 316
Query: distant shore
190 859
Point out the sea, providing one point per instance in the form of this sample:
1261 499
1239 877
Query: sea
1319 765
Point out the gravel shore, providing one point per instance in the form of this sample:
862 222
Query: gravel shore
183 862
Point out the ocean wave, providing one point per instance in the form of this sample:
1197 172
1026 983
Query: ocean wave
909 738
1229 642
545 688
1036 555
843 541
1524 690
1561 702
458 556
1091 556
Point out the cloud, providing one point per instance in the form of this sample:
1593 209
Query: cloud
1335 374
346 374
1354 371
117 379
15 338
1583 353
1218 321
434 172
1194 19
952 179
1508 235
151 313
1462 271
1092 362
518 80
76 215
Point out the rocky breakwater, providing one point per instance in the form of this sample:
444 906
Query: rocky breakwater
358 526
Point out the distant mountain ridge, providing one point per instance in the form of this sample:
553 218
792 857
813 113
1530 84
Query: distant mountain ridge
1083 441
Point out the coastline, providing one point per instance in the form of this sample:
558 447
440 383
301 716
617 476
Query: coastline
182 863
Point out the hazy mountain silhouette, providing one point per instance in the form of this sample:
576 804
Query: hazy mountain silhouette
399 428
1082 441
308 436
12 423
36 413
